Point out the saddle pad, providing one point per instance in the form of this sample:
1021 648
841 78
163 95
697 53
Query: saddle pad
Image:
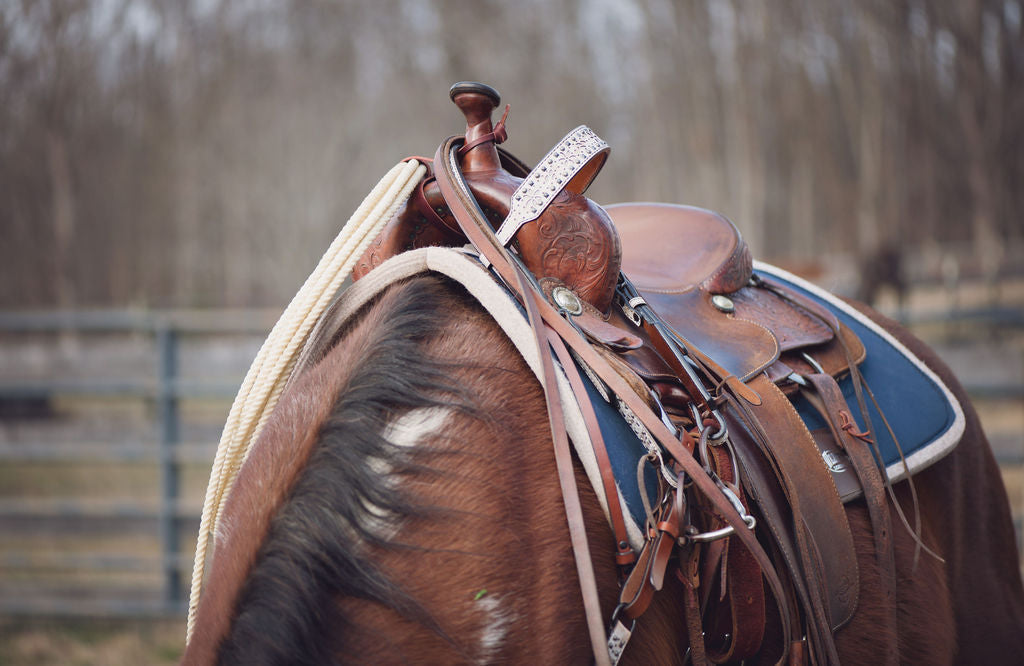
924 415
926 418
624 452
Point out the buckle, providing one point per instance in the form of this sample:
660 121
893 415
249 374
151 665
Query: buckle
728 530
619 636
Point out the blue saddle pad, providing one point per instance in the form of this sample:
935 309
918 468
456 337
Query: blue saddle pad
924 415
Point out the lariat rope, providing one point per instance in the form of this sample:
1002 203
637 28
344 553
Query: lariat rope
273 365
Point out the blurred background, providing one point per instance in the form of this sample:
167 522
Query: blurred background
171 170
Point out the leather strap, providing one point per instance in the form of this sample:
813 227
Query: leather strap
740 584
636 593
829 401
688 568
648 575
498 135
419 200
817 542
567 479
474 225
624 555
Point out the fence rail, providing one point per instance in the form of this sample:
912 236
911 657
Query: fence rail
164 390
251 321
136 452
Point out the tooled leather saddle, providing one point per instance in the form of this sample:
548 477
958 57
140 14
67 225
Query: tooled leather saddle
663 311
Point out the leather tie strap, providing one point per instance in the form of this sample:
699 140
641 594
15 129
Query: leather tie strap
498 135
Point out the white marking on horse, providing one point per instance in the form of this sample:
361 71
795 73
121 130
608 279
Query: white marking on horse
408 430
496 623
405 432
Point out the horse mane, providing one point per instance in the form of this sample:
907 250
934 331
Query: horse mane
345 501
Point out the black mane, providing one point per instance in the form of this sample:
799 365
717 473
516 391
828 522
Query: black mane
315 550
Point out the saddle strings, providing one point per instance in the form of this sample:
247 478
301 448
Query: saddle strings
273 365
860 387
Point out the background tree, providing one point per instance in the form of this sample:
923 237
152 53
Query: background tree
203 152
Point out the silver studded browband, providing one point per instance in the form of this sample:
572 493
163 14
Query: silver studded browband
570 165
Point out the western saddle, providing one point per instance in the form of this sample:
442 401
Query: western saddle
702 353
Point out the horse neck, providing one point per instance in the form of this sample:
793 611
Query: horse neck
424 434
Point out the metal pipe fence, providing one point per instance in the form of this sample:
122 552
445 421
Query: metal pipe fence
162 388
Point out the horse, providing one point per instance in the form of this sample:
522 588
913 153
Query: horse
416 519
400 505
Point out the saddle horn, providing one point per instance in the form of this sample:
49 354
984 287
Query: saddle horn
571 243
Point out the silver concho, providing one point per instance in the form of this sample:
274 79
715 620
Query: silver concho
723 303
566 300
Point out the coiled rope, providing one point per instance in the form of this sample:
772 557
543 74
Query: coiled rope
273 365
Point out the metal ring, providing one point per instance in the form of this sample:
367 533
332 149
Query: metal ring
722 431
741 511
814 364
797 379
715 535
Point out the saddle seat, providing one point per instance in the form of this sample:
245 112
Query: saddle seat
694 268
668 248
